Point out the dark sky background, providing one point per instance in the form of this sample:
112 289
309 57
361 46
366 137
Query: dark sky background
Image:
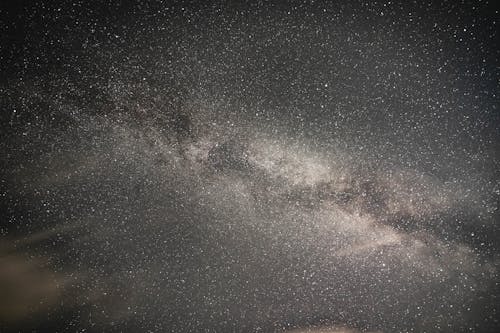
249 167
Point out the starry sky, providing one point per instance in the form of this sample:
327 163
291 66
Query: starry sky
249 166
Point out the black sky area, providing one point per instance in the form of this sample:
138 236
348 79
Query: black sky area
249 166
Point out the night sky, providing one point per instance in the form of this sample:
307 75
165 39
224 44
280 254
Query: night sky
260 166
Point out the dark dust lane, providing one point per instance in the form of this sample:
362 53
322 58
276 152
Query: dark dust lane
249 167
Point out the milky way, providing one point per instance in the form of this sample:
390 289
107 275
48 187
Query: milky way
261 167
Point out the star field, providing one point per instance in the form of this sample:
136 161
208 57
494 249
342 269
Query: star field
300 166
